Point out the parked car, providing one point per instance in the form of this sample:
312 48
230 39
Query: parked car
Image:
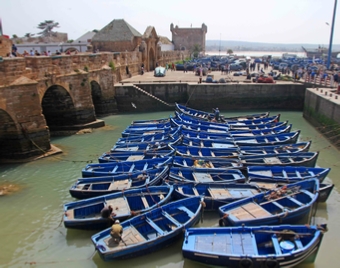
235 67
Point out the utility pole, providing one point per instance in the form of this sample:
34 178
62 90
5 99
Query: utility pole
331 38
219 51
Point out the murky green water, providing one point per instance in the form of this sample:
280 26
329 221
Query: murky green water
31 231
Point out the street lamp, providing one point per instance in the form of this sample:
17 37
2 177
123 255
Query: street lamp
331 37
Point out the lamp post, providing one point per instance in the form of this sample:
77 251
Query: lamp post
331 37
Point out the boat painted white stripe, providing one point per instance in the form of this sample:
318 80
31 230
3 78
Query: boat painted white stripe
206 255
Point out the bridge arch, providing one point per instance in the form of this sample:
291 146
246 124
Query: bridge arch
97 98
152 59
58 107
9 136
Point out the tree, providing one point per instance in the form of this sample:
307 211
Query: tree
195 50
28 35
230 51
14 36
95 31
47 27
70 41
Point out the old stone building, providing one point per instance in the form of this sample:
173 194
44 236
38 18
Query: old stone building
186 38
117 36
5 46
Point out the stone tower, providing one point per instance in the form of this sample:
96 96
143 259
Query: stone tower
186 38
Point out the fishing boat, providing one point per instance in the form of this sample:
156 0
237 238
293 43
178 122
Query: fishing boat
181 175
116 167
135 155
151 231
275 149
266 184
286 173
146 130
256 247
206 162
97 186
307 159
289 204
208 116
221 134
86 214
196 151
142 146
150 121
215 194
173 134
190 120
279 139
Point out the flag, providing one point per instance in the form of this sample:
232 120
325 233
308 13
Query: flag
0 28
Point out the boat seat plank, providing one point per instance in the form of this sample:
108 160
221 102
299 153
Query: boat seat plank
295 201
195 191
265 173
170 218
278 205
135 157
202 177
243 243
219 193
120 185
131 236
119 205
132 168
272 160
154 226
255 210
307 193
189 212
265 185
276 245
180 189
145 202
215 244
298 243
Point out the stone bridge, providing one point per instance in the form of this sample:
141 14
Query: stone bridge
39 94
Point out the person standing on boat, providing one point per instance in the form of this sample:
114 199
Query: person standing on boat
116 232
217 114
106 212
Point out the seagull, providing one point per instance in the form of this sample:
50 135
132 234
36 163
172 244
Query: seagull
133 105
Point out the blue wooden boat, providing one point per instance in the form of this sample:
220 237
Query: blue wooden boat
150 121
288 204
307 159
196 151
146 130
266 184
142 146
206 162
135 155
204 175
279 139
256 247
290 173
86 214
191 120
173 134
115 167
192 129
215 194
202 115
206 132
275 149
97 186
151 231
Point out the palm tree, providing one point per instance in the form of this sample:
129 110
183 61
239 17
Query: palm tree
47 27
195 50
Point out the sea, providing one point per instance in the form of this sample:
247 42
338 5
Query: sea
32 233
258 54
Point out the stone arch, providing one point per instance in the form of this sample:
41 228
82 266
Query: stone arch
71 50
152 59
58 108
97 98
9 136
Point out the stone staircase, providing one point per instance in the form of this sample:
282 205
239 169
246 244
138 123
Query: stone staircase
152 96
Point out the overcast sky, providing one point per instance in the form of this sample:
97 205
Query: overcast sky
271 21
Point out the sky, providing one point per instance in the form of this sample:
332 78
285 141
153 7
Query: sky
269 21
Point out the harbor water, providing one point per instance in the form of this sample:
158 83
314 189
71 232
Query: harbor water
32 233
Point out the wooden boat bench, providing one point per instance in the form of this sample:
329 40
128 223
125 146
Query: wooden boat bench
295 201
244 243
195 191
130 236
189 212
276 245
135 157
154 226
202 177
119 205
249 211
120 185
145 202
172 219
219 193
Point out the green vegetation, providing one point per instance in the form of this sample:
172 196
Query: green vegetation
86 69
112 65
47 27
70 41
195 50
14 36
230 51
